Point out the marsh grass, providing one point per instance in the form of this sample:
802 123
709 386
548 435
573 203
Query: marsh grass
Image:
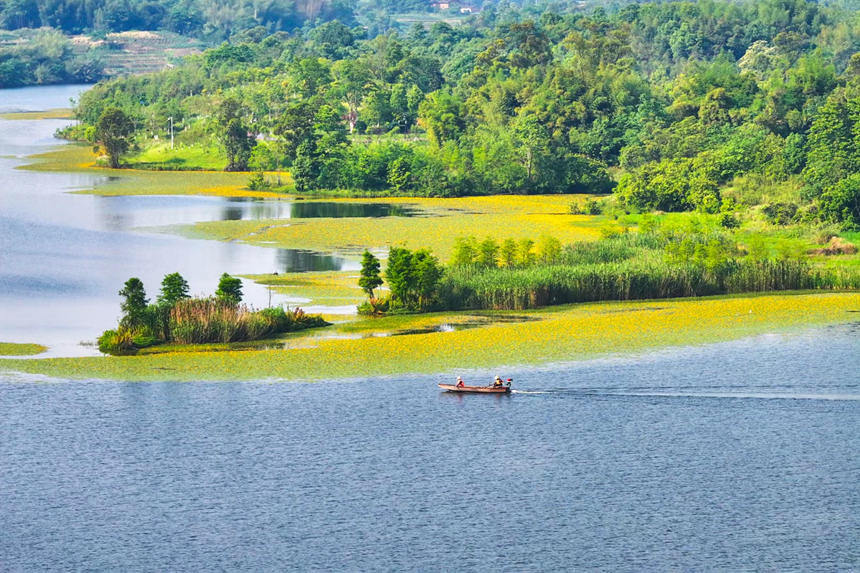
200 321
532 287
19 349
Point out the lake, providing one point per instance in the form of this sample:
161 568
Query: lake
733 456
64 256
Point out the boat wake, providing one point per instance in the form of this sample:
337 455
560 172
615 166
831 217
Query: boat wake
531 392
592 392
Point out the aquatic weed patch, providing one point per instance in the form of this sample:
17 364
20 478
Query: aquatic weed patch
516 217
21 349
56 113
567 333
334 289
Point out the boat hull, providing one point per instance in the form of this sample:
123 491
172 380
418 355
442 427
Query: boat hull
476 389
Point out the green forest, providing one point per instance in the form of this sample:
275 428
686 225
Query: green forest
678 106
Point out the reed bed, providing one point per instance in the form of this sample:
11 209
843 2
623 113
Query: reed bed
533 287
199 321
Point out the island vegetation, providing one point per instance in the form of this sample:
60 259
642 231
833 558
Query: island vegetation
178 319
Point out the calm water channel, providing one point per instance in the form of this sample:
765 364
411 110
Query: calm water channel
64 256
728 457
732 456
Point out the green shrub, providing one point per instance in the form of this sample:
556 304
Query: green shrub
780 213
593 207
258 182
117 342
728 221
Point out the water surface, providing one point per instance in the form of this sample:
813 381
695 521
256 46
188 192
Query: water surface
64 256
727 457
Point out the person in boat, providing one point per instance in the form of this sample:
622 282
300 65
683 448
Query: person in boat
509 382
460 382
497 383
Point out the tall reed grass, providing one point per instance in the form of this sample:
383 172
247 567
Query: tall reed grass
518 289
206 320
197 321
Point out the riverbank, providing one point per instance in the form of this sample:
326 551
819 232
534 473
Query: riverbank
557 334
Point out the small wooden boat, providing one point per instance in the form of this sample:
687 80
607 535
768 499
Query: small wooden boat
476 389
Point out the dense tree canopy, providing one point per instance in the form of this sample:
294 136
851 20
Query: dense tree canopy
204 18
672 101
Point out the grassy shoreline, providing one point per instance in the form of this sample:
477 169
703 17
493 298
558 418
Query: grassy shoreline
548 335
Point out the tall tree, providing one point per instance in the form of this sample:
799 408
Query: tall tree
369 278
229 289
113 131
134 304
173 289
234 135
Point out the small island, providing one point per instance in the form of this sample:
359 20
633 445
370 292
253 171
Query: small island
177 319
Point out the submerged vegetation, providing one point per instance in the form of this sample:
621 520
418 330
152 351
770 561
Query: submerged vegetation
176 318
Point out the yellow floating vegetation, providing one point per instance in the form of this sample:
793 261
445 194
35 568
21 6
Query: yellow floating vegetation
79 158
331 288
20 349
500 217
56 113
556 334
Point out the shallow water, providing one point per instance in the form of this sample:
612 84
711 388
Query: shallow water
64 256
733 456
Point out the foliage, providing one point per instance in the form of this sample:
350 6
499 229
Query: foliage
190 17
134 304
413 278
177 318
117 342
369 279
229 290
841 202
113 131
173 289
46 56
234 136
674 100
